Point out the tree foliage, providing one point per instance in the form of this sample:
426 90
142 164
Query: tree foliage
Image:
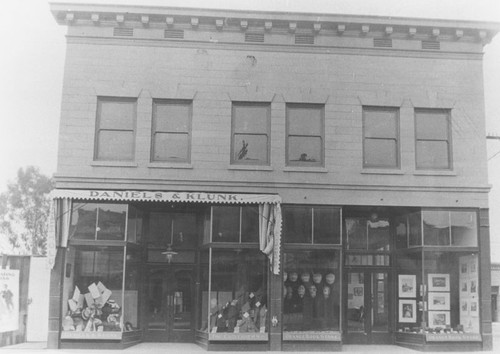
24 211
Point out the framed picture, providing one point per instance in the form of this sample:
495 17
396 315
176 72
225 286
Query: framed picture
464 287
439 282
358 291
474 311
464 307
407 311
463 268
407 285
439 301
473 287
439 318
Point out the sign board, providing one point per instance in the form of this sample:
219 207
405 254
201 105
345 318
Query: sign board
9 300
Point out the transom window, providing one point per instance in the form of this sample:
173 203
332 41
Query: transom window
251 133
171 131
305 134
433 139
311 225
381 137
238 224
115 129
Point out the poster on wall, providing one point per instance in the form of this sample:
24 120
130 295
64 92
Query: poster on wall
407 285
407 311
9 300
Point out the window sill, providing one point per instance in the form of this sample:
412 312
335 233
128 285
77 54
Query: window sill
435 173
167 165
305 169
250 167
381 171
113 164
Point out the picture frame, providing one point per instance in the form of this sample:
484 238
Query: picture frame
358 291
463 268
439 301
474 308
407 311
439 282
473 286
407 285
439 319
464 307
464 286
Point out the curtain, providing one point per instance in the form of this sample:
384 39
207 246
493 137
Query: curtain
270 233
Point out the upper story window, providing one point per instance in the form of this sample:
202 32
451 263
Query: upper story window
171 140
115 129
311 225
250 133
305 131
381 137
433 139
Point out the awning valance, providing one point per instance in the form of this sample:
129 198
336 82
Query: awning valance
154 196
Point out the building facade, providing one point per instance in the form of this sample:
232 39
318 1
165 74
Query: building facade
270 181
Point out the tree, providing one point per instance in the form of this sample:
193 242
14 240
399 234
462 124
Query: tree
24 211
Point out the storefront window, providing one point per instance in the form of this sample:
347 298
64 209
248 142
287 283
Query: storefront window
93 221
131 294
237 224
238 293
311 291
134 225
93 291
203 324
311 225
372 233
179 230
451 280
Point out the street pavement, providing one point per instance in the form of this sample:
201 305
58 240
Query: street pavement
40 348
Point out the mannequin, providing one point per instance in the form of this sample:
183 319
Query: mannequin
305 278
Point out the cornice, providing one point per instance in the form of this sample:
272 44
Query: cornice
270 22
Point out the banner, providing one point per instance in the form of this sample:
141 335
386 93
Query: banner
9 300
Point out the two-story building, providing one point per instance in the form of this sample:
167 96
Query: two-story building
270 181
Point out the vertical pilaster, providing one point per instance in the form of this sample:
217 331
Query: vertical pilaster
55 306
485 268
275 310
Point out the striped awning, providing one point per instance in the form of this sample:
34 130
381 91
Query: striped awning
156 196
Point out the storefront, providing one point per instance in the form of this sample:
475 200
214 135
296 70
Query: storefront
248 272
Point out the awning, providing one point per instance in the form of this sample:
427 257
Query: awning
152 196
269 213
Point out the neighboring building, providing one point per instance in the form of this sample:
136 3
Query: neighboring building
495 285
270 181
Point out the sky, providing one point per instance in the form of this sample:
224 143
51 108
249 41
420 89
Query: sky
32 63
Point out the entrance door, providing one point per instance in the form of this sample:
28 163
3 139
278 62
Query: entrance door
368 319
170 304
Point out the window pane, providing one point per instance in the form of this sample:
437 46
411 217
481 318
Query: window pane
297 224
117 115
226 224
380 124
168 146
172 117
378 233
161 226
436 227
356 233
311 291
304 149
115 145
414 221
464 228
96 282
250 224
83 221
381 152
131 304
432 154
238 294
250 148
304 120
185 230
432 126
111 221
327 225
250 119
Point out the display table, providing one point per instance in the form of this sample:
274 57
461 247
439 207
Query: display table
439 341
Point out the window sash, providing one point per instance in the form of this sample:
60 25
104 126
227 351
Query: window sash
433 146
305 147
251 126
171 137
381 137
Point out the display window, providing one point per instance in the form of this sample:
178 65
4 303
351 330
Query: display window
311 225
237 297
372 233
94 292
438 227
235 224
98 221
311 291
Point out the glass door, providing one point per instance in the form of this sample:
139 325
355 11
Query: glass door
367 309
170 304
